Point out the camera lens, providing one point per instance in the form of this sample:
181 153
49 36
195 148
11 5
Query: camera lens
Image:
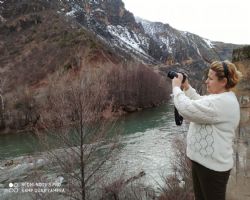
172 74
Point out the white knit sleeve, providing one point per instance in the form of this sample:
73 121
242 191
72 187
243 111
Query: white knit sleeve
192 94
201 111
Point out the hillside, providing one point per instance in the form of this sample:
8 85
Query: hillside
41 47
34 30
35 44
41 39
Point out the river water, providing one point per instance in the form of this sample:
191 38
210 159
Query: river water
147 137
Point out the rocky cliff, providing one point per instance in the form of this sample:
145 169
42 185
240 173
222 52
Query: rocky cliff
151 42
241 58
183 47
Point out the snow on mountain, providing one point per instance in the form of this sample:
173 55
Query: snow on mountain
152 41
128 37
209 43
180 44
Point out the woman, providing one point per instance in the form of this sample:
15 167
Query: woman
213 121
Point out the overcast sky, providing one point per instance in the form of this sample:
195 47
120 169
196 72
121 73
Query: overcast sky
217 20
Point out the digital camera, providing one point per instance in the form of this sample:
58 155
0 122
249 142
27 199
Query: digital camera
172 74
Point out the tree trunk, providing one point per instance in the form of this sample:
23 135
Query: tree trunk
2 123
82 159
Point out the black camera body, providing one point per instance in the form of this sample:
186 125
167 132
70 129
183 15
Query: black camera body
177 116
172 74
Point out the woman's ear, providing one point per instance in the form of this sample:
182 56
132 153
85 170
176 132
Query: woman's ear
224 82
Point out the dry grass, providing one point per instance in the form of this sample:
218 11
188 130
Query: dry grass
178 186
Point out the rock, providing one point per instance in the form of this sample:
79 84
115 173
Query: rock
241 58
241 54
60 180
9 163
129 108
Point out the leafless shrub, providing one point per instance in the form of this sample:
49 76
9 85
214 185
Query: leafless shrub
131 188
134 86
178 185
21 110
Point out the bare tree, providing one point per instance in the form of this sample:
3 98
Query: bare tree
2 105
72 116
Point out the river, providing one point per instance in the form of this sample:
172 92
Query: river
147 137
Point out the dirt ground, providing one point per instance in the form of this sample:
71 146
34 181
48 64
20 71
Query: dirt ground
239 182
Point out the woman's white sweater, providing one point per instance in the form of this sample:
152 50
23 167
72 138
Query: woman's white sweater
213 121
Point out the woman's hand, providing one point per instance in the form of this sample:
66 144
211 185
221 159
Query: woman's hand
177 82
185 85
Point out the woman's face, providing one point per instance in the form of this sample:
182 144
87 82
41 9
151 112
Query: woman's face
215 86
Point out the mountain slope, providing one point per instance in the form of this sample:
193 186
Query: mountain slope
41 46
37 41
180 46
151 42
39 38
33 31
